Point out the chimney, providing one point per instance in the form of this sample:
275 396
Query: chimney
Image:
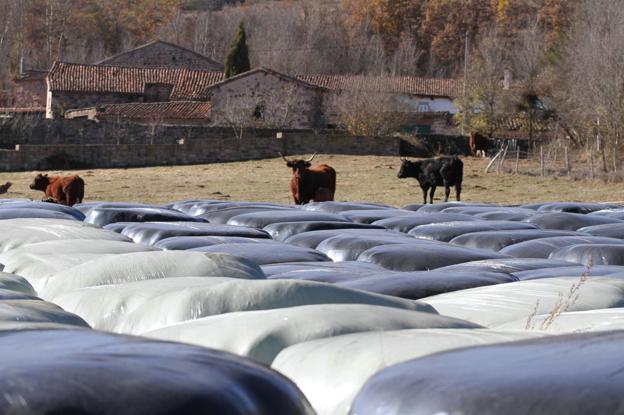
506 78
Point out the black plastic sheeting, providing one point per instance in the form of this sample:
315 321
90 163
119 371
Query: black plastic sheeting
449 230
86 207
413 206
574 207
23 212
313 238
223 215
421 284
609 213
612 230
568 221
203 208
575 374
90 372
262 219
476 210
288 270
101 216
543 247
407 223
509 265
335 207
284 230
506 214
370 216
588 254
422 256
348 247
439 207
266 253
182 243
53 207
149 233
497 240
117 226
574 271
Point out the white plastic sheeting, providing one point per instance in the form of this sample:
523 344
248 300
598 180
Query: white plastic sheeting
261 335
139 266
331 371
17 232
35 261
142 306
494 305
571 322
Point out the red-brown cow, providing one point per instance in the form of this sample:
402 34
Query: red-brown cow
67 190
479 144
311 183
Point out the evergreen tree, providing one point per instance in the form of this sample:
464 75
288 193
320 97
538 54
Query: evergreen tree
237 59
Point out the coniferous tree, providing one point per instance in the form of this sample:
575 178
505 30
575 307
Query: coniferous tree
237 59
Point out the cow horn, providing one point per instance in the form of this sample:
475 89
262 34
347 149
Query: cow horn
402 158
310 159
285 159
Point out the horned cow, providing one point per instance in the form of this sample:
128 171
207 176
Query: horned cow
308 183
441 171
67 190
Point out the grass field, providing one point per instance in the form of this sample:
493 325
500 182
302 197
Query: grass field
360 178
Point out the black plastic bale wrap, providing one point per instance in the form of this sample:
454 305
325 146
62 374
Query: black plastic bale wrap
573 374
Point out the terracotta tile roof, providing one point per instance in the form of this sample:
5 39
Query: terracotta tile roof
182 110
188 84
410 85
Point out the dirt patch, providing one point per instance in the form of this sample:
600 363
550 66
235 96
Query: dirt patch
358 180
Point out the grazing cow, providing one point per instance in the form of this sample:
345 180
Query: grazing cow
311 183
67 190
479 144
5 187
441 171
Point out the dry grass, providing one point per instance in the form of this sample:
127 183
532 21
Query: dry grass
360 178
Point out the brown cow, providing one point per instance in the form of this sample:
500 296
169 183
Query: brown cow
311 183
67 190
479 144
4 188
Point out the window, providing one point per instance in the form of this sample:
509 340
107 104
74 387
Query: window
259 112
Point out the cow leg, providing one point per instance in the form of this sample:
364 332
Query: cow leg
458 191
447 192
431 193
424 190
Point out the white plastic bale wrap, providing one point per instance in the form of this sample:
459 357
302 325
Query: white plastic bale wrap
331 371
571 322
119 269
36 261
494 305
261 335
142 306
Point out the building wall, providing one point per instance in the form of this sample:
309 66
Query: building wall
435 104
162 55
283 103
59 102
30 93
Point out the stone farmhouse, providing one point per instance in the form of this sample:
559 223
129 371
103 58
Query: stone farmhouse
163 83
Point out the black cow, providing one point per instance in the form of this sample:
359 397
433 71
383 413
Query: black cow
441 171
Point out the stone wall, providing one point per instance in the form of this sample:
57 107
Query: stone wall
65 144
264 98
57 101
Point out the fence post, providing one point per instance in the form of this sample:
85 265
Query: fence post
591 164
502 160
543 173
517 159
567 161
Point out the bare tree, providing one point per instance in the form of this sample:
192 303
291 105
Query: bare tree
365 113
